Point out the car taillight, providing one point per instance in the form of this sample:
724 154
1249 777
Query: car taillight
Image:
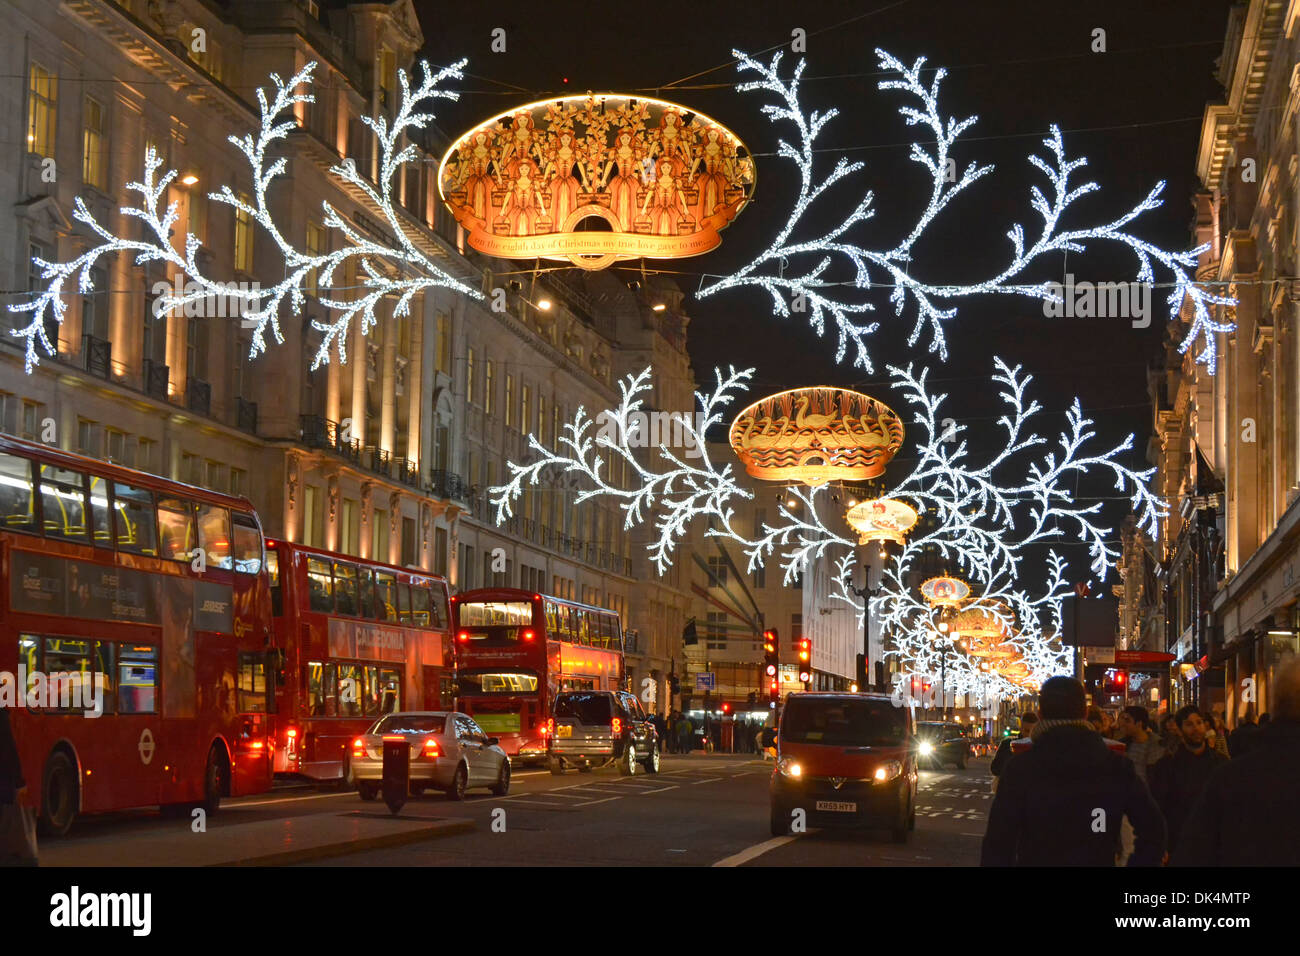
616 728
431 749
463 636
358 748
528 635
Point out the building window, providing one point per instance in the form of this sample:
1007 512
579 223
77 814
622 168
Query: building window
387 76
760 576
717 571
144 454
715 633
310 517
88 438
94 305
214 475
525 409
444 343
238 482
469 377
351 530
243 237
510 400
94 133
410 558
316 246
488 382
42 111
796 626
116 442
197 204
541 418
440 551
379 535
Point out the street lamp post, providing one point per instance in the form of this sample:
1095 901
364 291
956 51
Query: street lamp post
866 592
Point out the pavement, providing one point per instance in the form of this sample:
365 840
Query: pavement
700 810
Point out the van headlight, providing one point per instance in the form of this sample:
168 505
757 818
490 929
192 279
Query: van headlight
789 768
890 770
926 748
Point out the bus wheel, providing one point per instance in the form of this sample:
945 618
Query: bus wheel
214 780
58 795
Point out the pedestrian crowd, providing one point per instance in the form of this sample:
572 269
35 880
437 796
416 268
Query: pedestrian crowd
1080 788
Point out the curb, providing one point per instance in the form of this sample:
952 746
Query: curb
306 855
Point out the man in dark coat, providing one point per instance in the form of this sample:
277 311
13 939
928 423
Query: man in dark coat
1178 779
1246 814
1244 736
1061 801
1000 759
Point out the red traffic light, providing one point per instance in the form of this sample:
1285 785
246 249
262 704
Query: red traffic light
726 708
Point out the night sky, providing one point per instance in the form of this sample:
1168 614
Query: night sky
1020 65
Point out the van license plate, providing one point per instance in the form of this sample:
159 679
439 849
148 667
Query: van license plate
564 730
837 807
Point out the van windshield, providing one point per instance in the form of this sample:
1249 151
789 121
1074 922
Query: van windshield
844 723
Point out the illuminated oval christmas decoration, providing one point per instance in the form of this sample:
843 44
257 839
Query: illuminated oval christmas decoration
945 591
595 179
882 519
979 624
815 435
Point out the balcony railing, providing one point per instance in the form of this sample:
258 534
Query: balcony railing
156 379
198 396
449 485
246 415
98 354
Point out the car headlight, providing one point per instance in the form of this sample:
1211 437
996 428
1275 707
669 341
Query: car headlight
926 748
888 771
789 768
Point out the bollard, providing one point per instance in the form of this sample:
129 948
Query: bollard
397 771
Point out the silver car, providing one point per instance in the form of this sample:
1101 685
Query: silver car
448 751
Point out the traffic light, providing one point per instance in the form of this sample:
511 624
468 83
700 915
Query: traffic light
805 660
673 683
862 672
772 662
753 698
726 708
689 636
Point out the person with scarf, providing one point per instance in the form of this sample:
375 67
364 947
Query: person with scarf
1062 801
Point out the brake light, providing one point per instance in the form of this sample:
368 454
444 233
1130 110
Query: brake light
431 749
528 635
463 636
292 732
616 728
358 748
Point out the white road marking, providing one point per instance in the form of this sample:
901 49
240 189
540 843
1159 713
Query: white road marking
590 803
318 796
661 789
709 780
755 851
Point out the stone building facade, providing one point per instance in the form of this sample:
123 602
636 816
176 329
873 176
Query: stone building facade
387 455
1228 446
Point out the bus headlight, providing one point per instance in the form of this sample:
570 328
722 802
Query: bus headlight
926 748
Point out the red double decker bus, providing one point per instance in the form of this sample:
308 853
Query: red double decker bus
135 639
515 650
361 639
